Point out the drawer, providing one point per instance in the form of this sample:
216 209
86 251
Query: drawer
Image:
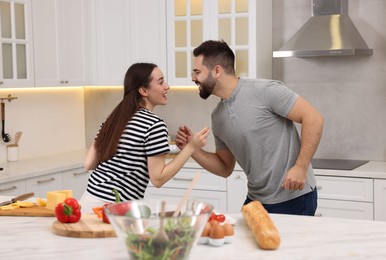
41 184
13 188
76 180
207 181
345 209
345 188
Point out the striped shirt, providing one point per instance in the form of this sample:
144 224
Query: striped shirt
145 135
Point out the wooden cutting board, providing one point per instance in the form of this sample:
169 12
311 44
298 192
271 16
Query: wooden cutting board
34 211
89 226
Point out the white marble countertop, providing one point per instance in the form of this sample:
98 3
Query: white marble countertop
28 168
301 238
372 169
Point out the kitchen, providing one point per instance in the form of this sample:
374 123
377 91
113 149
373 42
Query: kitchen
335 85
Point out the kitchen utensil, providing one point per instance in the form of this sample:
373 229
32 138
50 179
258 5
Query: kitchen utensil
20 197
89 226
17 137
161 239
5 136
12 153
34 211
137 232
186 195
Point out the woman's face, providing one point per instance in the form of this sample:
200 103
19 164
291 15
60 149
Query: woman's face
156 93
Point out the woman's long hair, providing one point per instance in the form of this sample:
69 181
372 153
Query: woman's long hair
106 142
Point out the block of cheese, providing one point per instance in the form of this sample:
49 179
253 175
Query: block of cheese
55 197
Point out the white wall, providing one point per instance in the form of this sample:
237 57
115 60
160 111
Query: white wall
51 119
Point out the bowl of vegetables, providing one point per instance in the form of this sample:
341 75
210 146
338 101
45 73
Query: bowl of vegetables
157 229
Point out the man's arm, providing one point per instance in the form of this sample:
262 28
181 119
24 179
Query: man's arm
220 163
311 131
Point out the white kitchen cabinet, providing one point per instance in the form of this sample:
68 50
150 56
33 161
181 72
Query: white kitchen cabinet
216 198
345 197
237 190
75 180
126 32
344 209
41 184
13 188
209 188
16 50
60 41
380 200
244 25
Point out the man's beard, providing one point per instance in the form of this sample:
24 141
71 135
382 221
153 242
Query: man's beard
207 87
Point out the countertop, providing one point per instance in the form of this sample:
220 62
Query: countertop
28 168
372 169
37 166
302 237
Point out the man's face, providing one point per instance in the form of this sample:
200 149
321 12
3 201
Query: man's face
203 78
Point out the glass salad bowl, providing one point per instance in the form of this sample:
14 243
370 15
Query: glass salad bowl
137 224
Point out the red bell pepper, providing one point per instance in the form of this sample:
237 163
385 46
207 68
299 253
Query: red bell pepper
117 200
68 211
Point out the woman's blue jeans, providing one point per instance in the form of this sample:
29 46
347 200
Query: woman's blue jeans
303 205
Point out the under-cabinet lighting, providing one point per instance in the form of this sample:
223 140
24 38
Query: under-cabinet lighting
32 89
183 87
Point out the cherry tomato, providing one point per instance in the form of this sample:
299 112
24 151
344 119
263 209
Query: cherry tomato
220 218
212 216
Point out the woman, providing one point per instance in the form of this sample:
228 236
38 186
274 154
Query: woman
131 145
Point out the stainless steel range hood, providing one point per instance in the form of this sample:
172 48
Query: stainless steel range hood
329 32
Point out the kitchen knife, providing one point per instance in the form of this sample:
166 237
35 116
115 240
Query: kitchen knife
20 197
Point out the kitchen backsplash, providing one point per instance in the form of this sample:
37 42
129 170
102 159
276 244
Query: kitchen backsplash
51 119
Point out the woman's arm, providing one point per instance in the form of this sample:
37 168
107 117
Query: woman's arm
92 159
160 173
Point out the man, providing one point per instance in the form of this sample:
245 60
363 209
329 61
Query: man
254 124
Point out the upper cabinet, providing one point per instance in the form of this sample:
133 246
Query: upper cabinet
60 42
244 25
16 68
126 32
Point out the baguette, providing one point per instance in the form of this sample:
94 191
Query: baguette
261 225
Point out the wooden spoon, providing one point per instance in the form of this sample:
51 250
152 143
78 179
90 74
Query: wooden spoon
17 137
186 195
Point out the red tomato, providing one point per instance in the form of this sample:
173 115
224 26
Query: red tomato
220 218
104 216
212 216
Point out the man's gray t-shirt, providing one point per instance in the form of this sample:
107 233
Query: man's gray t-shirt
252 124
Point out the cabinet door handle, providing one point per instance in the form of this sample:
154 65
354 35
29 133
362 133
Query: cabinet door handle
44 181
318 187
79 173
182 179
8 189
1 83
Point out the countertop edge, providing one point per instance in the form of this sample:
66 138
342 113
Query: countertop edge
66 161
43 165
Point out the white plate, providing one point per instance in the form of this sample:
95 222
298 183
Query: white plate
228 219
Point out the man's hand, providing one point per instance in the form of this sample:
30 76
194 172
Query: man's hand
199 139
184 134
295 178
